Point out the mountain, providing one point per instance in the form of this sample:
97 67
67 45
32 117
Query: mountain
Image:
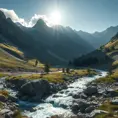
54 45
63 43
99 38
104 57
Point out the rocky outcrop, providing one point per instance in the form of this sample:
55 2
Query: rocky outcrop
15 83
35 90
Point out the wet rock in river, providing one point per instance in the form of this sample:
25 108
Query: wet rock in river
2 98
91 90
89 109
114 101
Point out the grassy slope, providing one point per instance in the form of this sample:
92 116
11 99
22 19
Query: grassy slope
9 61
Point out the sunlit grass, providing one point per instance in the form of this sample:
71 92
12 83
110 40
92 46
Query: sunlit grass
56 77
10 63
12 48
107 79
110 108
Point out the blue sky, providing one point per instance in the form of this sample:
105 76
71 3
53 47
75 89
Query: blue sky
86 15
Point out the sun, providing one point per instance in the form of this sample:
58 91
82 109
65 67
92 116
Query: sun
55 18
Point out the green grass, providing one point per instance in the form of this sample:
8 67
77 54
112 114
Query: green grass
107 80
11 48
8 62
3 75
54 77
111 78
57 77
107 106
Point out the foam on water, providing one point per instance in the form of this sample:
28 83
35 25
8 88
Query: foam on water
63 97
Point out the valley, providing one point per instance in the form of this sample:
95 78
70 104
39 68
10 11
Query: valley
56 71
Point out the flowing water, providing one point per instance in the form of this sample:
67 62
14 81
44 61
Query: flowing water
54 104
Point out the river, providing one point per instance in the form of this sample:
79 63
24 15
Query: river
59 103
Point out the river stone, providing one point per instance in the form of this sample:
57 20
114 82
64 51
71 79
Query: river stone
89 109
75 108
112 93
97 112
91 90
12 98
114 101
2 98
36 89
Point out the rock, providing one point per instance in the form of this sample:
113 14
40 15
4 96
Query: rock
114 101
75 108
81 116
12 98
76 96
32 110
9 115
83 96
81 105
91 90
2 98
112 93
4 111
97 112
16 83
36 90
89 109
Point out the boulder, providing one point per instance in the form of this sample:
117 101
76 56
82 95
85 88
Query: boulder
79 106
91 90
2 98
75 108
36 90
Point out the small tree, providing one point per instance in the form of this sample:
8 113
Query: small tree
89 70
67 70
63 70
36 63
47 68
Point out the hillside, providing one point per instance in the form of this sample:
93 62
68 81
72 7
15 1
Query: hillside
106 57
54 45
10 60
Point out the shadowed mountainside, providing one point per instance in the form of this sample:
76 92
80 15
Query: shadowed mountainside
54 45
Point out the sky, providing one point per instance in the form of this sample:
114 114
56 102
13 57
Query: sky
86 15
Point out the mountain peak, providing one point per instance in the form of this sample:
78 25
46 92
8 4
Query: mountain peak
40 23
2 15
